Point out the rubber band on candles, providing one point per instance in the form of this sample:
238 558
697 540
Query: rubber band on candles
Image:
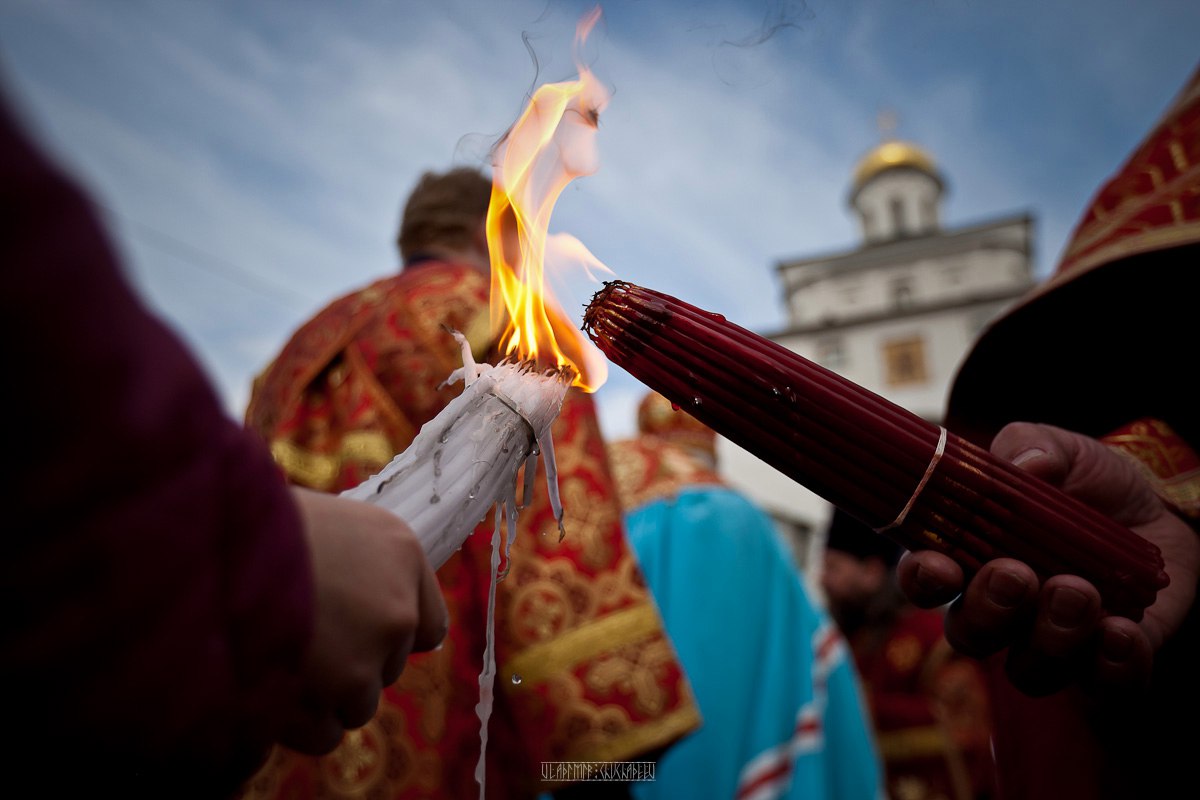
933 462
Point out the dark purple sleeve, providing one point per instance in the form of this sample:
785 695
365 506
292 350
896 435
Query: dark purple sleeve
155 587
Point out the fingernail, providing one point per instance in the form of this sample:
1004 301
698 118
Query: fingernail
1116 646
1067 607
1006 589
926 581
1028 455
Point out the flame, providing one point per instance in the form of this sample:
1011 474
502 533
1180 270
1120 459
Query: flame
551 144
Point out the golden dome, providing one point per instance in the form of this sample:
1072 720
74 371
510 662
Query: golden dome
892 154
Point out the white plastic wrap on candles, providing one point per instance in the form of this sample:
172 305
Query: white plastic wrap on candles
466 459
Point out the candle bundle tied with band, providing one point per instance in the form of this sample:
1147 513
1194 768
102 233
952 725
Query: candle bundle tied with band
907 478
465 460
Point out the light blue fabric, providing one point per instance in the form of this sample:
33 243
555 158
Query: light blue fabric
746 632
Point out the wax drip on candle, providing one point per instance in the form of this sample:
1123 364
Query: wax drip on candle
546 444
466 461
510 512
487 677
530 476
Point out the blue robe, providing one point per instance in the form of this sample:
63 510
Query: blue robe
783 714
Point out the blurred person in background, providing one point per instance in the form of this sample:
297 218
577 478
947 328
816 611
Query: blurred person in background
783 715
929 705
585 672
1090 383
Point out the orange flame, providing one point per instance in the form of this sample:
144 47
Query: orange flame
551 144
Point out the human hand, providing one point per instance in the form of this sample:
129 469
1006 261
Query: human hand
377 600
1056 632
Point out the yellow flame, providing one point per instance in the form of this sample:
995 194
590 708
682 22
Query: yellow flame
551 144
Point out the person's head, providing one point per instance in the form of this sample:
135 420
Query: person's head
656 416
857 571
444 217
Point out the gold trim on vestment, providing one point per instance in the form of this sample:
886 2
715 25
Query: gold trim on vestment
667 490
644 737
369 447
1179 490
637 743
320 470
539 662
1147 241
928 740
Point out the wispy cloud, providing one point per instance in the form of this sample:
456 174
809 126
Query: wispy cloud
256 156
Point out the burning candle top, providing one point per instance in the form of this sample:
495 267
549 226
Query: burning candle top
473 449
550 145
906 477
467 459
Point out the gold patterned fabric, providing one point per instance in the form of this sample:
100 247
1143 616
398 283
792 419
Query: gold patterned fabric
651 468
585 671
1165 459
657 416
672 451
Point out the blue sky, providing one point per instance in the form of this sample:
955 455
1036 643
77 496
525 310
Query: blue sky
252 157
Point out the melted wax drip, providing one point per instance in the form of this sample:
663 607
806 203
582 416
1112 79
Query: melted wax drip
507 509
487 678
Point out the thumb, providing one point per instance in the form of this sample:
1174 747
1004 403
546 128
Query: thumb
1082 467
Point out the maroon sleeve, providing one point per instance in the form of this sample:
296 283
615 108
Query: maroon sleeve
155 586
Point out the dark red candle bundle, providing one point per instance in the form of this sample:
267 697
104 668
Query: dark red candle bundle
908 478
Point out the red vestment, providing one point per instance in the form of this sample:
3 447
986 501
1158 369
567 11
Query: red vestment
1105 348
929 708
585 671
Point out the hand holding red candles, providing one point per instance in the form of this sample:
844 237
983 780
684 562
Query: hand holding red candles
998 604
909 479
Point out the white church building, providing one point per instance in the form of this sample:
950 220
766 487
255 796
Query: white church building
896 314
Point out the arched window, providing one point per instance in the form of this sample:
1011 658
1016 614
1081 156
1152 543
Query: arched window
898 216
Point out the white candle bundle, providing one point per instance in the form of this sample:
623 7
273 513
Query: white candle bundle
465 460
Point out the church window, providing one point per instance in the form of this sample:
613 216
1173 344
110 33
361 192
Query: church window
904 361
902 293
831 353
898 216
